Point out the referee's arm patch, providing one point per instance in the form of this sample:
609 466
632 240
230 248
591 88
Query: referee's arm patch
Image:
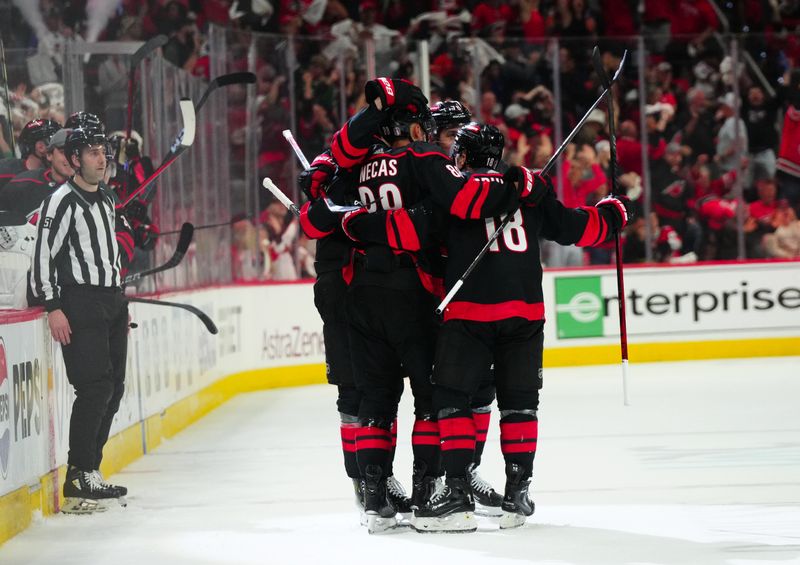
48 221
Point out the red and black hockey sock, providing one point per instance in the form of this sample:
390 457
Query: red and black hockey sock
481 417
349 430
425 445
519 432
457 431
374 445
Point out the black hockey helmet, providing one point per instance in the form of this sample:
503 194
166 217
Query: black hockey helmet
36 130
482 145
450 114
85 120
79 138
398 124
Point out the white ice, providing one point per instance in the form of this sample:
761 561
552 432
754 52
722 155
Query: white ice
703 468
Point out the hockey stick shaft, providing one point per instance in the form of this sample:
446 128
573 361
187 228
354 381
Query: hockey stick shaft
140 54
204 227
623 326
207 321
11 140
187 232
278 193
287 134
545 170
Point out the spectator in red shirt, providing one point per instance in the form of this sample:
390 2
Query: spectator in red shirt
488 13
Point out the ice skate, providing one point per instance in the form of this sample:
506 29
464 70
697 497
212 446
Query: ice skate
359 500
450 510
379 510
85 494
488 501
398 497
423 486
120 491
517 506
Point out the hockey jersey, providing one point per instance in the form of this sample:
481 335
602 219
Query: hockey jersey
9 168
26 191
789 154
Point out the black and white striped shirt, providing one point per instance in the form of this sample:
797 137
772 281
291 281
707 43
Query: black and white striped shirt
76 243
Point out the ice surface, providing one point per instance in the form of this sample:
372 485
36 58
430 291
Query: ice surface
703 468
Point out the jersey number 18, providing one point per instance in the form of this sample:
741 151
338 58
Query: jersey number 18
514 236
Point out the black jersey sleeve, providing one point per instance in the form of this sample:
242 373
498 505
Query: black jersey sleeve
351 144
481 195
585 226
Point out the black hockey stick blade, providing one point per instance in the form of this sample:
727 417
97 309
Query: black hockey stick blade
225 80
207 321
184 240
149 46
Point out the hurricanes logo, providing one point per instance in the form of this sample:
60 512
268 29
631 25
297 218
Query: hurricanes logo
5 411
579 307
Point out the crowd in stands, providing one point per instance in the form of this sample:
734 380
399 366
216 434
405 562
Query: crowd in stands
498 58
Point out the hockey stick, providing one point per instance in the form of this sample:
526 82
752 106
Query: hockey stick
208 322
623 329
546 169
206 226
182 142
139 56
277 193
223 80
287 134
187 232
8 98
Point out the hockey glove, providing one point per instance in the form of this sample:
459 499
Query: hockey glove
349 219
531 187
622 211
394 93
314 180
145 236
136 211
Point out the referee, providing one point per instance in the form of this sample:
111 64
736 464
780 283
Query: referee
76 272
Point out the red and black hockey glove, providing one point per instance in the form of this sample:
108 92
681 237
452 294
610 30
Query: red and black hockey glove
136 211
349 219
531 187
314 180
146 236
394 93
621 208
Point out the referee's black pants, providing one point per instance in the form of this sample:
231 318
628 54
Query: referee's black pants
95 363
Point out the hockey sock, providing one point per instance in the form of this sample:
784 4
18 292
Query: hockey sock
519 431
457 431
373 445
349 428
390 468
481 416
425 444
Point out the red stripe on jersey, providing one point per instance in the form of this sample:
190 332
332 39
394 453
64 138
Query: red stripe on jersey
463 310
308 228
465 196
429 154
347 155
348 271
434 285
481 420
593 227
409 240
475 213
34 181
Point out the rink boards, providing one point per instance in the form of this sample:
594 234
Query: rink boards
271 336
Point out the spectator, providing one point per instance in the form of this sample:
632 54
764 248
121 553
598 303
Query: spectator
183 47
732 137
697 125
788 164
760 115
785 241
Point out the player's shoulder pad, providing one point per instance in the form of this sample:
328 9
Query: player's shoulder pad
425 149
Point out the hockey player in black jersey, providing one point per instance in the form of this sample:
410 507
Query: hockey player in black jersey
26 191
33 141
449 116
325 179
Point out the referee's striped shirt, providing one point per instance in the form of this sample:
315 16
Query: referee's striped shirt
76 243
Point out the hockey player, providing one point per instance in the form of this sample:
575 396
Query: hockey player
26 191
497 318
85 120
449 116
391 294
349 148
87 312
33 141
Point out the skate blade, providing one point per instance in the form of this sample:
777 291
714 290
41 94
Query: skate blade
379 525
458 523
82 506
488 511
511 520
